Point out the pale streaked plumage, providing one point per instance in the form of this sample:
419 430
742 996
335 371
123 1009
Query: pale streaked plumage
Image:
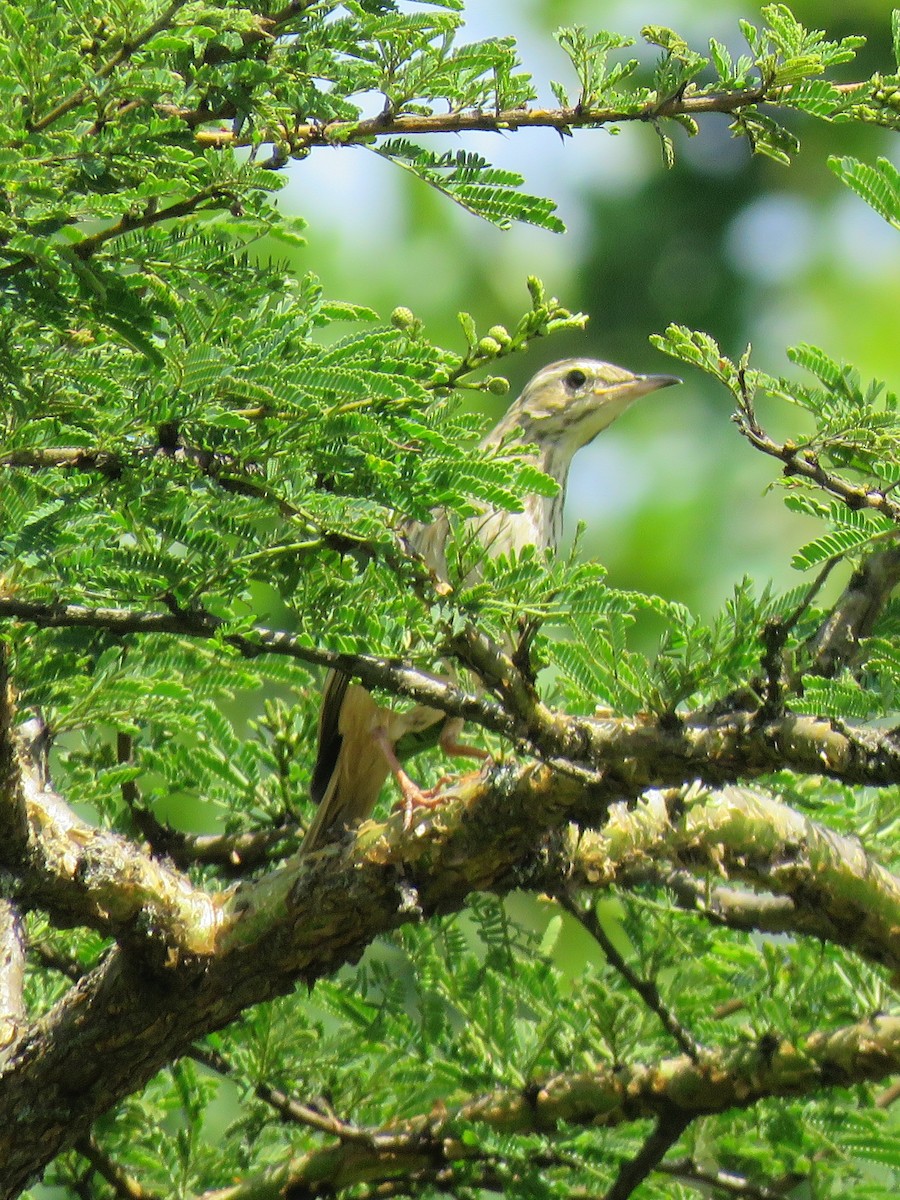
562 408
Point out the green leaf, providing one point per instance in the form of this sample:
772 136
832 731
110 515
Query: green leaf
470 181
879 186
831 545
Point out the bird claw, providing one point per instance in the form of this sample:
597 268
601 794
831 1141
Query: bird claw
415 797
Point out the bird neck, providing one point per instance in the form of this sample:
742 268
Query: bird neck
546 512
554 459
553 456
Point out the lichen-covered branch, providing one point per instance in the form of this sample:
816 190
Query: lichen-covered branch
12 973
674 1090
83 875
836 890
316 913
305 136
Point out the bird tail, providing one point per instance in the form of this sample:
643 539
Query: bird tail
324 775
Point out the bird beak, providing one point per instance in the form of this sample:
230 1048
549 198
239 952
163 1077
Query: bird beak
652 382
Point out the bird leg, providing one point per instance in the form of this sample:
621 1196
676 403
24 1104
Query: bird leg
451 745
413 796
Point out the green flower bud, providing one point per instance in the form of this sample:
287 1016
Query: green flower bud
403 318
500 334
489 347
497 385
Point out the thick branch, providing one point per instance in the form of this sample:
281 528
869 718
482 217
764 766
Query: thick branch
82 875
305 920
12 973
838 892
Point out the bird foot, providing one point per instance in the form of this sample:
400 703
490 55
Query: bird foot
415 797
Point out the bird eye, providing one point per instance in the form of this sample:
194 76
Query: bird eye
575 379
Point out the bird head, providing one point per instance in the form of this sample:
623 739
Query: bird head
566 404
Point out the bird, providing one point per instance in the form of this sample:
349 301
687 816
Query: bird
562 408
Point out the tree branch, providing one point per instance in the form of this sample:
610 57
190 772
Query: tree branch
855 613
838 891
630 754
123 1185
724 1181
309 135
12 973
87 246
223 469
672 1092
669 1128
804 463
81 875
315 913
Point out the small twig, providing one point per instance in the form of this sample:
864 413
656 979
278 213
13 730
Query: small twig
63 963
124 1186
814 588
287 1107
723 1181
89 245
804 463
645 988
234 851
669 1129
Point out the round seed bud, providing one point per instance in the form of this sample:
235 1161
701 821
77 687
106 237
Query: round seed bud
403 318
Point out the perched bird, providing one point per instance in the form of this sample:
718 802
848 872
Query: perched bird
562 408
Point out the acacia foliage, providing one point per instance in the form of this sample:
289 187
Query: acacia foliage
189 427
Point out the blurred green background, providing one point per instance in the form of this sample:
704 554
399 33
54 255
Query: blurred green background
743 248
